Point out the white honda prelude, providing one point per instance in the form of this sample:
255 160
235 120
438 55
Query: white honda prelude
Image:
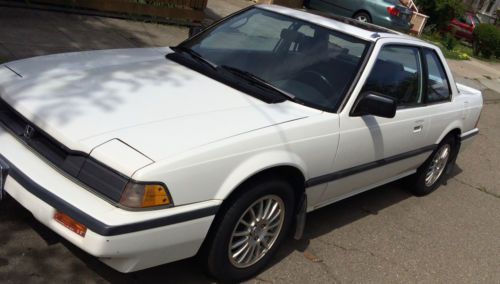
218 147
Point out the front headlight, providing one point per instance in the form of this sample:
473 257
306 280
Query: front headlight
145 195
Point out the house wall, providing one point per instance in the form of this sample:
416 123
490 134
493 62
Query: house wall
486 9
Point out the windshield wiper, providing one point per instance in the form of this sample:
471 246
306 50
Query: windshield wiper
195 55
258 81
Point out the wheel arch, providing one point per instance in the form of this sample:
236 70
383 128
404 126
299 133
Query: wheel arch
454 129
278 163
289 171
284 165
362 11
455 133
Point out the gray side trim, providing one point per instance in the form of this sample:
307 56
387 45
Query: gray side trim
368 166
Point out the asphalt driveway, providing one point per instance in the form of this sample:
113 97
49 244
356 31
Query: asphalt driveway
382 236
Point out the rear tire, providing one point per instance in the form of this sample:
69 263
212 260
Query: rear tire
363 17
246 238
431 174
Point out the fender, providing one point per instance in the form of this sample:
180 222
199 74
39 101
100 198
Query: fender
452 126
258 163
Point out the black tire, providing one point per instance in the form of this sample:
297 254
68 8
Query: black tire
217 257
422 187
362 17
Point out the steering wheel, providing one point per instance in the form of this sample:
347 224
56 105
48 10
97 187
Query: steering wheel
317 81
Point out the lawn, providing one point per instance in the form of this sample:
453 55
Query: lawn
460 51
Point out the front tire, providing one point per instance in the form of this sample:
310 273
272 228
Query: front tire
250 230
431 174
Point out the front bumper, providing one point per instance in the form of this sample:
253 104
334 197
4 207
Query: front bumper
125 240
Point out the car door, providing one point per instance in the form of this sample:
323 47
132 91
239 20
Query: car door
373 150
440 108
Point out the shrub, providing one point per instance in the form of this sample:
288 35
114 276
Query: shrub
487 40
441 12
449 41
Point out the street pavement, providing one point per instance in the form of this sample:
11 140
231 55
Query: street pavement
382 236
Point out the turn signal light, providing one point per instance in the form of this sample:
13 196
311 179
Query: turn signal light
137 195
70 223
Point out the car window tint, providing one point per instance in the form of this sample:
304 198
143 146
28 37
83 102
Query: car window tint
397 73
438 87
256 33
315 64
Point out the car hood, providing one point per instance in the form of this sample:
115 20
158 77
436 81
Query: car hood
155 105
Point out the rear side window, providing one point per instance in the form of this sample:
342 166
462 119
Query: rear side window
438 87
398 74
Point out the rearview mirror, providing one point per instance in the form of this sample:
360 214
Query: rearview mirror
195 30
375 104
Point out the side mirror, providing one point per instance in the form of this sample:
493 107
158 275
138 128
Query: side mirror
375 104
195 30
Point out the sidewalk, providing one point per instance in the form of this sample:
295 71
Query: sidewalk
484 76
26 33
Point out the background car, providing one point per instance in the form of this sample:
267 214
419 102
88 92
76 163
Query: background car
463 27
388 13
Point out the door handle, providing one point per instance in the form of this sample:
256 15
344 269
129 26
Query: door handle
418 128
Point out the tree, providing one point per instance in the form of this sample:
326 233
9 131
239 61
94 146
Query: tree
441 12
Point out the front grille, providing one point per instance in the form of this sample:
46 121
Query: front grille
79 165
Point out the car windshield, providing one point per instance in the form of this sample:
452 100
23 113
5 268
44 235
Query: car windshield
308 62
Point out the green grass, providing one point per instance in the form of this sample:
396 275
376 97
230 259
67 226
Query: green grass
461 51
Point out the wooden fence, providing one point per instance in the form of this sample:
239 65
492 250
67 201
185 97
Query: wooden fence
181 11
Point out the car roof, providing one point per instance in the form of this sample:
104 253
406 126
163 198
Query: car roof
365 31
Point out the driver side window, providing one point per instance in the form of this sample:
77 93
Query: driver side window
397 73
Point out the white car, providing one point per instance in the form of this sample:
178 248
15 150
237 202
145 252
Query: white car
220 146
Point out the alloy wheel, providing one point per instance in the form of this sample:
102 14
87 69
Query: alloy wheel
438 165
256 231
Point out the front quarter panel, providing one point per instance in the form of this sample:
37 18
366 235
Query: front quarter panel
214 171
